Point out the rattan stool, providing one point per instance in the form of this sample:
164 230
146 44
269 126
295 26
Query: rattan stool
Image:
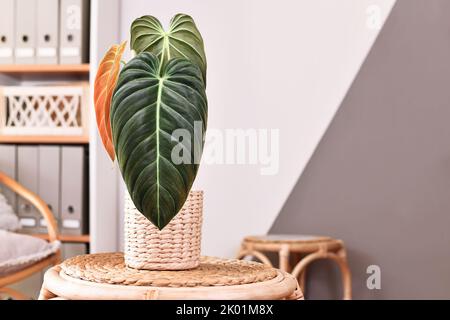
305 249
104 276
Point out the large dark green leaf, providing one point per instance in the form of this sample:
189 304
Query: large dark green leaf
148 105
182 40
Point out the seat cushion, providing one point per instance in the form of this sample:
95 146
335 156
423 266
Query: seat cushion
8 219
18 251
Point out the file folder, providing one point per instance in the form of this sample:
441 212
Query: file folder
25 39
47 32
7 32
73 199
49 180
74 32
27 175
8 167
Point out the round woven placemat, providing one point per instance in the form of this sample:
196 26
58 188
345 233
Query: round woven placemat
110 268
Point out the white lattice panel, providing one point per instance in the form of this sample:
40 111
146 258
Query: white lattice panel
59 110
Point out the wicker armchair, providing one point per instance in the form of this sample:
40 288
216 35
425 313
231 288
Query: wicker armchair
52 236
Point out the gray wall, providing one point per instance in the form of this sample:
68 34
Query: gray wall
380 178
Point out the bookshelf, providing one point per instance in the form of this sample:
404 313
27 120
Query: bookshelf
105 185
16 73
44 139
20 69
84 238
105 193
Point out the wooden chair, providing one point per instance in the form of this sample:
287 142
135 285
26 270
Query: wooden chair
52 229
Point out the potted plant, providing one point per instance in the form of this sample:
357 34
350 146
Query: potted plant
152 115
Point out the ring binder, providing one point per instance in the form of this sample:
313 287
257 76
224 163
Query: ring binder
74 33
7 32
47 31
25 38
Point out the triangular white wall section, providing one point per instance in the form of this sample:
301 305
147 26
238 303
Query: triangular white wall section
283 65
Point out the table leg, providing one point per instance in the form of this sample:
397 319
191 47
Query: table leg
297 256
345 273
284 258
336 257
302 280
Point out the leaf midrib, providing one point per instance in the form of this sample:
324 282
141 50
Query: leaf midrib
158 118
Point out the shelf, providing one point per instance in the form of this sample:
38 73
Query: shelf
45 139
85 238
41 69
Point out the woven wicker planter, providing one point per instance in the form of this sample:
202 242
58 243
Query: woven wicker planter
176 247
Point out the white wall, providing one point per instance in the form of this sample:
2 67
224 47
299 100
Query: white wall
271 64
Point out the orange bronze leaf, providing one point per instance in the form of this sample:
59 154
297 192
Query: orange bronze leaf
104 85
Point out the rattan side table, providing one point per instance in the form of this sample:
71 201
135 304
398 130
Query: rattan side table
305 249
104 276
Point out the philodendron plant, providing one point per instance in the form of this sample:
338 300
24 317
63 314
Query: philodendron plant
152 113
